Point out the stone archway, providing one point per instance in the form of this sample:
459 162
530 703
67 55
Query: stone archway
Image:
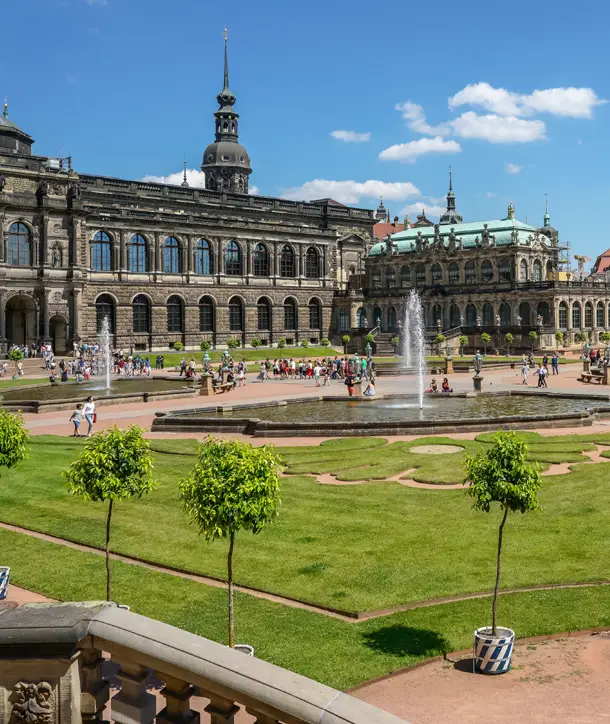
20 317
58 329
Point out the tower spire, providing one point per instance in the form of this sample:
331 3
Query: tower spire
185 183
450 179
547 216
451 216
226 35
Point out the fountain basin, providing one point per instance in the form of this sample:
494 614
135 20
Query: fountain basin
332 416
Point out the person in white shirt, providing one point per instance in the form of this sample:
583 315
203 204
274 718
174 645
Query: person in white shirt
89 413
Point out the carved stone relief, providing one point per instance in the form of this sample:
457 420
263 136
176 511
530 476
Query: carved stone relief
32 703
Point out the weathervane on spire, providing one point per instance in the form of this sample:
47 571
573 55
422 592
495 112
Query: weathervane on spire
450 178
185 183
5 108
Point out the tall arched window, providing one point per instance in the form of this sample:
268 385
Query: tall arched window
576 316
137 258
390 277
101 252
454 273
377 316
19 245
104 307
312 263
487 271
233 259
287 261
263 314
543 310
315 314
420 275
588 315
343 320
236 314
504 269
470 272
437 274
206 314
203 257
405 276
505 314
261 261
392 319
455 316
488 315
523 270
290 314
361 318
525 313
141 314
471 315
563 315
537 270
599 315
549 269
171 255
436 316
175 314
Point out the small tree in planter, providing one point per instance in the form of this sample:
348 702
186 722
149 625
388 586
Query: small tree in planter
233 343
440 340
508 339
463 342
485 340
559 338
580 337
533 335
501 474
16 354
304 343
255 342
604 337
395 342
281 343
178 346
345 340
205 346
234 486
325 342
115 465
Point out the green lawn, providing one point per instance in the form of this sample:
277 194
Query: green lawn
357 548
8 383
251 355
334 652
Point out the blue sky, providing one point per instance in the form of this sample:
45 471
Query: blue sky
510 94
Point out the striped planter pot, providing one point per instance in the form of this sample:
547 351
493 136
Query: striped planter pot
492 654
5 575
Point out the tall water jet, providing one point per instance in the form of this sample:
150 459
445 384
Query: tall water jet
406 343
105 356
414 322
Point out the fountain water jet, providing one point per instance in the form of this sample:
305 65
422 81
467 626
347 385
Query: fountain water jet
415 342
105 356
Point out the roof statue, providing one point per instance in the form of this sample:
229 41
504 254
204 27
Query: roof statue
511 211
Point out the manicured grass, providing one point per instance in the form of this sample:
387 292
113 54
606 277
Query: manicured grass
7 382
334 652
251 355
357 548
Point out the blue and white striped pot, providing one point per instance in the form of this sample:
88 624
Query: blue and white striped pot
5 575
492 654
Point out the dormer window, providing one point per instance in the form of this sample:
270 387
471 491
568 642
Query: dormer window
225 158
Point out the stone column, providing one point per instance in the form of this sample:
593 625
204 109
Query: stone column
122 252
158 263
2 314
221 711
76 310
178 693
95 690
45 315
133 704
188 267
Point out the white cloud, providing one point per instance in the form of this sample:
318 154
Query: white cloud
570 102
350 192
351 136
490 195
512 168
99 3
195 178
498 129
254 191
416 208
416 120
411 151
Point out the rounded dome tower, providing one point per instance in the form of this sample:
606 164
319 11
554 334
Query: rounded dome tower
226 163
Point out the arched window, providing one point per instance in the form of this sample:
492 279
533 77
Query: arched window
171 256
488 315
312 263
141 314
137 258
236 314
436 316
206 314
563 315
175 314
454 273
377 316
471 315
233 259
544 311
505 314
487 271
343 320
437 274
361 318
599 315
392 326
203 258
455 316
315 314
290 314
420 275
537 270
588 315
287 261
576 316
405 276
19 245
549 269
523 270
470 272
525 313
261 262
101 252
390 277
504 269
263 312
104 307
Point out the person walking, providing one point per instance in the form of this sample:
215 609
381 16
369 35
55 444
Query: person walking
76 420
349 383
524 372
555 363
89 413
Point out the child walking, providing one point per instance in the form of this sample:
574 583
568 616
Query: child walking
75 419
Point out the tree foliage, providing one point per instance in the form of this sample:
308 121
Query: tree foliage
13 439
581 336
604 337
559 337
233 343
204 345
346 339
256 342
370 338
395 341
178 346
305 343
440 338
325 342
281 343
16 354
463 340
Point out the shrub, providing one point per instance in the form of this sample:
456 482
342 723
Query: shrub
325 342
463 342
346 339
604 337
370 338
205 346
255 342
233 343
13 439
305 343
281 342
485 340
16 354
395 341
440 338
178 346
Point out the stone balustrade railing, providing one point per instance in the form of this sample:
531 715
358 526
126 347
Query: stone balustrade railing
52 658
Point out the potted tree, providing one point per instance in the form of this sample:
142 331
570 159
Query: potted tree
325 342
205 346
281 343
304 343
345 340
16 355
178 346
115 465
604 337
533 335
485 340
508 340
463 342
255 342
13 450
440 340
234 486
395 342
233 343
500 474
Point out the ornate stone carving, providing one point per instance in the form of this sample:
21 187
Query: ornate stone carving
2 183
43 188
32 703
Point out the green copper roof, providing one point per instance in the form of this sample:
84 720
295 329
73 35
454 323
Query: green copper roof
501 229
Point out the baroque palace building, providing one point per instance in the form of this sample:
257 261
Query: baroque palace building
166 263
496 276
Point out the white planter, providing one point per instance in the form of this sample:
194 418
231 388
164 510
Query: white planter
5 575
492 654
244 649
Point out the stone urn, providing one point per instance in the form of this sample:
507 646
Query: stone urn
492 654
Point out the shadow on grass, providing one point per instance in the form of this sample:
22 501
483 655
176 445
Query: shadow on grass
406 641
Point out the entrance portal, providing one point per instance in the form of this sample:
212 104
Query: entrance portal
21 320
58 331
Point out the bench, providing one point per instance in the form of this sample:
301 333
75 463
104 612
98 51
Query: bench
225 387
585 377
